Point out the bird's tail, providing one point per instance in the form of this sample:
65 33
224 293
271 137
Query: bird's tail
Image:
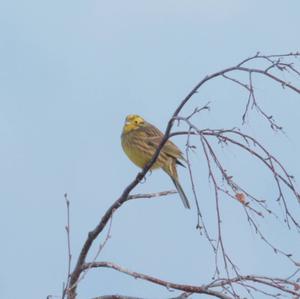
181 193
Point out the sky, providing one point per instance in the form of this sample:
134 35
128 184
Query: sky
70 73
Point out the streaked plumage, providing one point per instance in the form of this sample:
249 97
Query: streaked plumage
140 140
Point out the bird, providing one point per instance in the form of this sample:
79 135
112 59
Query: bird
140 140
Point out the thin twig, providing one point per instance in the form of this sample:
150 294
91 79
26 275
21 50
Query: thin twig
68 231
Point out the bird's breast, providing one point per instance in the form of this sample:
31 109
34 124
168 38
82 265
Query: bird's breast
137 152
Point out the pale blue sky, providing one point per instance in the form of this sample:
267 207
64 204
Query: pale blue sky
70 71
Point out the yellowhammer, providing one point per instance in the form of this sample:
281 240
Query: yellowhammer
140 140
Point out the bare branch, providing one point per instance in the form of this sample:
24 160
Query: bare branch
287 287
151 195
68 228
182 296
281 176
167 284
116 297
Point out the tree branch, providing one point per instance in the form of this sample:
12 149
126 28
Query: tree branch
167 284
182 296
92 235
151 195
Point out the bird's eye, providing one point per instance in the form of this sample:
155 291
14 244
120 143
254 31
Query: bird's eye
136 122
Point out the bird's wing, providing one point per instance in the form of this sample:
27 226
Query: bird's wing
170 149
153 137
152 131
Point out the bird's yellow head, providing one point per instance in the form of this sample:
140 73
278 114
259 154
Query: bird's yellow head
133 122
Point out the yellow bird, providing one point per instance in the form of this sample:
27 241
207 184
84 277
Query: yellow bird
140 140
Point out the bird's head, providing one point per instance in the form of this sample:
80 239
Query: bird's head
133 122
